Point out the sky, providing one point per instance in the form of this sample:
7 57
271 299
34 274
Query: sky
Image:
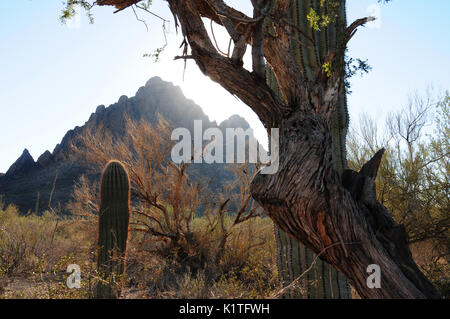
53 75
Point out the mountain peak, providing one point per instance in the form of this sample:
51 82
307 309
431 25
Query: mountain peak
123 99
26 153
235 121
158 84
155 80
22 165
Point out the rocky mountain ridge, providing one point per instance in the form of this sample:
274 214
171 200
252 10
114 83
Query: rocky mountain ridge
28 183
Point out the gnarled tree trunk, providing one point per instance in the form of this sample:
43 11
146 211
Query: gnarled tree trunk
307 200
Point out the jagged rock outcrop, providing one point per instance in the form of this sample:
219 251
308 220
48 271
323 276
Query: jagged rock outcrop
45 159
28 181
23 165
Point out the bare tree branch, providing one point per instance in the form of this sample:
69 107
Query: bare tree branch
351 30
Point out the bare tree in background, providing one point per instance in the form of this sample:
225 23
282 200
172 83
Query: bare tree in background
413 179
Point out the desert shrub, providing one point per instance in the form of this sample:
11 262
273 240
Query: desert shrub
23 239
245 270
35 251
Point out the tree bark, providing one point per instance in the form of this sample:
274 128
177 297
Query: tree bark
307 199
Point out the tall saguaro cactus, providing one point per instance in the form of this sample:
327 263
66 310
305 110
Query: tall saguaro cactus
114 218
318 27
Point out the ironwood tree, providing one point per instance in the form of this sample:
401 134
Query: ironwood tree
331 210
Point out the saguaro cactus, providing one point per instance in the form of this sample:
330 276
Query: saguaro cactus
114 218
312 49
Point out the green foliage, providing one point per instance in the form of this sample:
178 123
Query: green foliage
328 13
146 4
114 218
327 68
353 67
69 10
155 55
314 19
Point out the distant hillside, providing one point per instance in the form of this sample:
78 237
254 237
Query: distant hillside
28 182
